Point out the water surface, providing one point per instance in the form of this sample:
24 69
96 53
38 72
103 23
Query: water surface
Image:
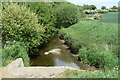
66 58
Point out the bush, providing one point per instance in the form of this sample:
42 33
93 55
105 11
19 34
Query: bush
98 58
14 50
20 24
66 15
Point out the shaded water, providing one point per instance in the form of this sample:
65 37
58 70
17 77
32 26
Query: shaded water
65 58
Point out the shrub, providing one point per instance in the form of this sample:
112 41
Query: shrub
98 58
66 15
14 50
20 24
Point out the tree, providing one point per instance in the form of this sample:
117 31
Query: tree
114 7
89 7
93 7
103 7
67 15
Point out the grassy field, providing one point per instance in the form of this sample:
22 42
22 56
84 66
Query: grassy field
111 17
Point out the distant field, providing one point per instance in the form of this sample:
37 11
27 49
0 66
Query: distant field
111 17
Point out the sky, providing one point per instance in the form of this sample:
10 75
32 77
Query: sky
98 3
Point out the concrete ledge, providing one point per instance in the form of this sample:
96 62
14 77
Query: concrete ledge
16 69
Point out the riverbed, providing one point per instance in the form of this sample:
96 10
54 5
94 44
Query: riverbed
65 58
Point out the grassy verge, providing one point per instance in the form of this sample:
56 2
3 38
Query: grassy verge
90 74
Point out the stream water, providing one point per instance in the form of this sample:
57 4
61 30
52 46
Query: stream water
65 58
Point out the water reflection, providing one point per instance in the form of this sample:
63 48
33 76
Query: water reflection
58 62
63 59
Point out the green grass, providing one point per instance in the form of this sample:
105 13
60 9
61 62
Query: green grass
91 34
98 39
111 17
90 74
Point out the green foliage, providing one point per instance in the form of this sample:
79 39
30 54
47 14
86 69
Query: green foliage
14 50
93 7
45 12
20 24
89 7
66 15
91 74
103 7
114 7
98 58
46 16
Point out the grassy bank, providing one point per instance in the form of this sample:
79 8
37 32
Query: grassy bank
93 41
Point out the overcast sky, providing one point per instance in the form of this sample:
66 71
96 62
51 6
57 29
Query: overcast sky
98 3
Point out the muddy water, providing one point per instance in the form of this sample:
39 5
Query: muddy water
65 58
